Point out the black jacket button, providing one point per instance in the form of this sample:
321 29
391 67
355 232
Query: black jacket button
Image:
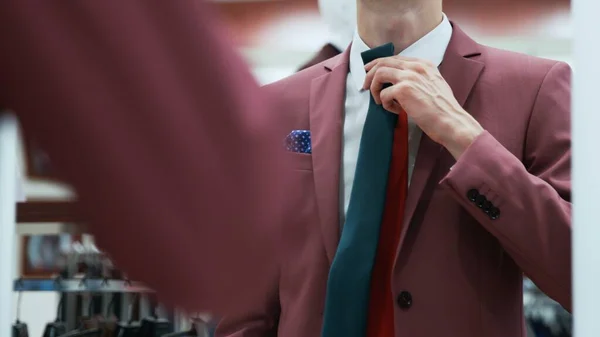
480 201
487 206
494 213
404 300
472 194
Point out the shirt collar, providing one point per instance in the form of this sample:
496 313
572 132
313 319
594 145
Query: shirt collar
430 47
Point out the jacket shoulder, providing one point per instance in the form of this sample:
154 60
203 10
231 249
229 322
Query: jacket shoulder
517 66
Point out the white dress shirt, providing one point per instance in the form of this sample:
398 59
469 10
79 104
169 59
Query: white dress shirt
430 47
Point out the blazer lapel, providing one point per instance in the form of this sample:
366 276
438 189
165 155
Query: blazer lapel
327 94
461 72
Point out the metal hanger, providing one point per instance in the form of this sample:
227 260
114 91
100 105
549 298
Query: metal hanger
198 325
88 325
129 328
104 322
58 327
19 329
109 321
154 326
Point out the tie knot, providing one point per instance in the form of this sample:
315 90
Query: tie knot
385 50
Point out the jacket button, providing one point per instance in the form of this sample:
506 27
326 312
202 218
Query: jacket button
494 213
480 201
404 300
472 194
487 206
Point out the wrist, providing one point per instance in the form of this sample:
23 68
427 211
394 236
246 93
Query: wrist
462 137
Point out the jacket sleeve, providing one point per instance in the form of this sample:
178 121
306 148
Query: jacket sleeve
156 121
527 205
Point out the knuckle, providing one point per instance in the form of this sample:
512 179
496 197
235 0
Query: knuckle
380 70
397 75
385 73
413 76
383 96
397 63
402 89
420 69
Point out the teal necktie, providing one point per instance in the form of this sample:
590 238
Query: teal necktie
348 285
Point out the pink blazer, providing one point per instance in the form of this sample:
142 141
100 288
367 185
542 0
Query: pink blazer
458 270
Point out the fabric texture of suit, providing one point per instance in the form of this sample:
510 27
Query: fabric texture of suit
179 185
462 267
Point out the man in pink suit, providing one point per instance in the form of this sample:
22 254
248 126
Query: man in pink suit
169 147
489 166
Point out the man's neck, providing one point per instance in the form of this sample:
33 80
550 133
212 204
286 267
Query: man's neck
381 21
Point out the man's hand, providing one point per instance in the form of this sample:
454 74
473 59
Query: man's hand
418 88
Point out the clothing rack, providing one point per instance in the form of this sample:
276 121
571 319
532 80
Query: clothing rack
72 288
80 285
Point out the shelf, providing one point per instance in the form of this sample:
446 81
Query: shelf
47 211
80 286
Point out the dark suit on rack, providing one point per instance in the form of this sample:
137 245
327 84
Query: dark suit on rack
168 147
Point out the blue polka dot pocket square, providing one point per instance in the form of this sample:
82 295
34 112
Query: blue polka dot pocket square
298 141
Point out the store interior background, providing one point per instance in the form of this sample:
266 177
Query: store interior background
277 37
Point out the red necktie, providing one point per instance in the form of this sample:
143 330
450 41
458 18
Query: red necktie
380 321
